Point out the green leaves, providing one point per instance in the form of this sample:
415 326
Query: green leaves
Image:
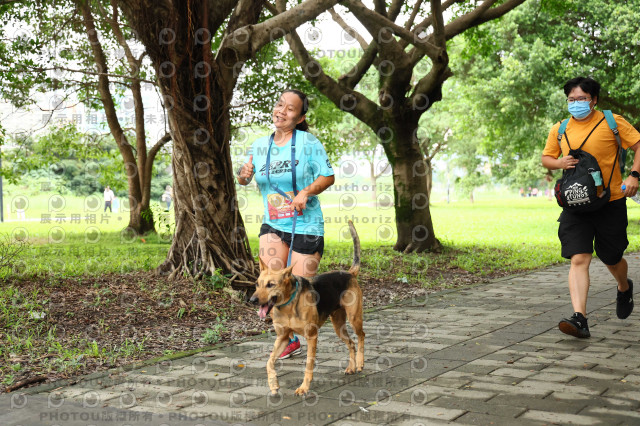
509 74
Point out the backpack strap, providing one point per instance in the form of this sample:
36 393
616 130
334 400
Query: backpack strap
561 130
611 121
563 127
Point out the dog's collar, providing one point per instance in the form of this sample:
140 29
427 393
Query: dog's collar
292 295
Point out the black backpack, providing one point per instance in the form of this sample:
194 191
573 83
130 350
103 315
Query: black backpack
576 190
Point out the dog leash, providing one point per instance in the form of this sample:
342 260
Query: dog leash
292 294
284 194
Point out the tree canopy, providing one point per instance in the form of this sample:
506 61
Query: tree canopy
507 89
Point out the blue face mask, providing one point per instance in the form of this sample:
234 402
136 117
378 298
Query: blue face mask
579 109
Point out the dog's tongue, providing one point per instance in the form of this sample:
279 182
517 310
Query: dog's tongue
263 311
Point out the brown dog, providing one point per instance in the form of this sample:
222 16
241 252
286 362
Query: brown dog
302 306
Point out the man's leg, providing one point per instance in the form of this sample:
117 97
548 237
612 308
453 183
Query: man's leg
610 243
619 272
579 281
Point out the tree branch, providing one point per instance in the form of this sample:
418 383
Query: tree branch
375 23
379 26
122 41
440 72
426 23
245 15
383 170
396 74
246 41
353 33
158 145
103 86
480 15
219 10
87 72
356 103
424 144
380 7
412 17
437 22
151 156
351 78
394 9
136 92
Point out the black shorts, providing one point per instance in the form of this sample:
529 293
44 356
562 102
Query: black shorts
607 227
303 244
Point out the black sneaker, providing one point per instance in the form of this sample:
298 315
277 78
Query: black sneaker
624 304
575 326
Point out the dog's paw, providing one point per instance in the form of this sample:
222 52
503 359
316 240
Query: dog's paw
274 385
349 370
302 390
360 368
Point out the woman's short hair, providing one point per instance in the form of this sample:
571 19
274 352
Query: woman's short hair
587 84
303 125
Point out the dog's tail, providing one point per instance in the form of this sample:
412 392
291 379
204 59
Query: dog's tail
355 267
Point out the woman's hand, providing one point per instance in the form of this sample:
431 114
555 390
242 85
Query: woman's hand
299 203
246 172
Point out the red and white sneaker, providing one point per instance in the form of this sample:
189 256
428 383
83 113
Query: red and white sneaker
292 349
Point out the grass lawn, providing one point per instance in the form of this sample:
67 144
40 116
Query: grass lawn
490 236
78 297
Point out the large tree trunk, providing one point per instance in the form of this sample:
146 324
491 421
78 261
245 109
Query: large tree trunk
413 217
140 216
209 229
210 234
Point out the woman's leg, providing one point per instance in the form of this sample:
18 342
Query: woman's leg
305 265
273 251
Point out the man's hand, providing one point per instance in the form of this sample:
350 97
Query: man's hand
631 186
568 162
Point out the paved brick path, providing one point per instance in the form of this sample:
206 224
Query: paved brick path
490 354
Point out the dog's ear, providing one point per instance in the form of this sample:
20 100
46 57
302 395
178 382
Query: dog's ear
263 265
287 271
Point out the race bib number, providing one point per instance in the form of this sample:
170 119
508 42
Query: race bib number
280 207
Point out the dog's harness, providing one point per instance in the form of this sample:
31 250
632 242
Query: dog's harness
293 295
284 194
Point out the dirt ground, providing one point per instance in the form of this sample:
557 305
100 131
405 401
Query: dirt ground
164 317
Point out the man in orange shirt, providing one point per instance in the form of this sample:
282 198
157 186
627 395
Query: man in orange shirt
606 227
